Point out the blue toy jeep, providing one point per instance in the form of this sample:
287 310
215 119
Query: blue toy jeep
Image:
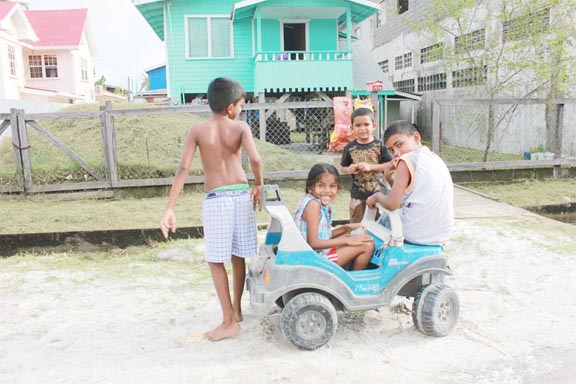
310 290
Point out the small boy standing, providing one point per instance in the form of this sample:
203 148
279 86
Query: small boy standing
366 159
228 207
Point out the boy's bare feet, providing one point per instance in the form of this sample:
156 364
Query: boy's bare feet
222 331
238 315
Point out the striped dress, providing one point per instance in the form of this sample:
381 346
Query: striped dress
325 227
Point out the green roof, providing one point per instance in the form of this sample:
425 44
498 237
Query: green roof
153 11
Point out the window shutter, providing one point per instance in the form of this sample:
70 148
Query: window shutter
220 37
197 37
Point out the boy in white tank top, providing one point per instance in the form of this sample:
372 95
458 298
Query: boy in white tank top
422 188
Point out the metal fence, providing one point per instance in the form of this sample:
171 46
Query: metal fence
115 148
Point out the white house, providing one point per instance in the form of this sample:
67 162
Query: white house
15 31
46 55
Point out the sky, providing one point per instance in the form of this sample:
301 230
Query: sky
126 44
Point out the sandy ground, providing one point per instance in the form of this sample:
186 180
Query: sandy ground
514 273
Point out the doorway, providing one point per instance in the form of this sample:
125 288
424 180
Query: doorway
295 39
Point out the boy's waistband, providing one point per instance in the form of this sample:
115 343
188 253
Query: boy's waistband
237 192
231 187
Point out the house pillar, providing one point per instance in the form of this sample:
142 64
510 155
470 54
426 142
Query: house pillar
375 99
348 29
259 29
384 118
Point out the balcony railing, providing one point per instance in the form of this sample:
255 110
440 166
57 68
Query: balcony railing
303 56
294 71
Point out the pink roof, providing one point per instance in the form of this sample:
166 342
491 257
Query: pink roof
58 28
5 8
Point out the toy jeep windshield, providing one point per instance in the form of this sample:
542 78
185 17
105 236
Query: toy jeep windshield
310 289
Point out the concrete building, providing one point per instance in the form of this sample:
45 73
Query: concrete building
417 62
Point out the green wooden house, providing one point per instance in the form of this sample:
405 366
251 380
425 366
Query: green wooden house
270 46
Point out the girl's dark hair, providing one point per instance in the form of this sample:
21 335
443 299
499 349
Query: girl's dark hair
399 126
362 111
222 92
318 170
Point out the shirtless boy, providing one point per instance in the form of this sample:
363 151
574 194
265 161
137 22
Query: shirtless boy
228 208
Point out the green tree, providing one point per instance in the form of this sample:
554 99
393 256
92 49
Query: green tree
145 83
510 48
101 81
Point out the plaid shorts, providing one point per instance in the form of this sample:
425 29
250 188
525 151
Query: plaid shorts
229 225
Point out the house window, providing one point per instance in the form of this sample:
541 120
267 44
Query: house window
432 53
529 24
43 66
209 37
470 41
469 77
408 60
398 62
12 60
404 85
402 6
84 69
384 66
50 65
35 65
432 82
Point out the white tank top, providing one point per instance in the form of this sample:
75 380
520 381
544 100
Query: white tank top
427 211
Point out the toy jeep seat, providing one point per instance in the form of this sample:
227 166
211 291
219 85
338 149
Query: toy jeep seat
282 230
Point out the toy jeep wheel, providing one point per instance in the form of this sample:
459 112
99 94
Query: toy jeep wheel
436 309
309 320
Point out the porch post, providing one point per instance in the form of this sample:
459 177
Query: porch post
375 99
384 119
348 29
259 28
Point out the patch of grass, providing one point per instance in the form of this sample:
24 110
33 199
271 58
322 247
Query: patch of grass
452 154
39 214
530 192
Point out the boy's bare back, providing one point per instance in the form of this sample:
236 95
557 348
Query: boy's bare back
220 141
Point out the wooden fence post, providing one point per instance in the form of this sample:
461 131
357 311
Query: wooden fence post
16 147
25 151
262 117
109 144
21 149
558 139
